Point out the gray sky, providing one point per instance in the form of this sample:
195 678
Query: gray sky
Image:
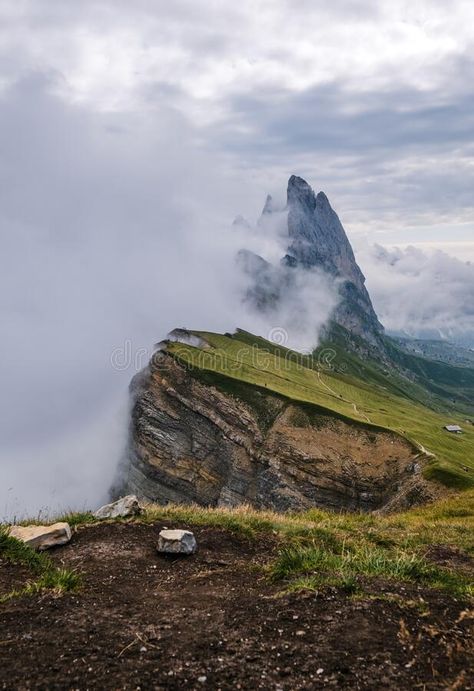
132 133
369 100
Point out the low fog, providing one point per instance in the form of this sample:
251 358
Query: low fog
420 293
116 228
111 236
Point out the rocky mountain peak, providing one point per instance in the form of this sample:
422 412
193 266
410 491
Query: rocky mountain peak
299 193
317 241
268 207
317 235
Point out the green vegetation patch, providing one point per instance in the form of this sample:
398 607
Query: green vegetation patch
343 567
321 548
339 383
46 575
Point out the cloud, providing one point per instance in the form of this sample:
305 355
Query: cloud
114 229
111 236
130 133
396 163
426 294
367 99
292 304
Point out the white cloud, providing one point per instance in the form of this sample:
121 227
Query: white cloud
131 133
420 292
104 49
111 236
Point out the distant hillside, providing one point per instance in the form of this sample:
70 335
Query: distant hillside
435 383
444 351
222 420
238 419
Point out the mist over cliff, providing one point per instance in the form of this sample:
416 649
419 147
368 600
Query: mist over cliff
106 246
422 293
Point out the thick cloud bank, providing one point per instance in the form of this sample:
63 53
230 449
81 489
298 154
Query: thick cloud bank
114 230
426 294
110 237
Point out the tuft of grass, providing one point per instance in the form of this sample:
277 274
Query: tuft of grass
74 518
48 576
57 580
364 560
17 552
347 582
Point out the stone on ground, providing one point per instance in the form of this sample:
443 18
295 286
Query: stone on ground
41 537
176 542
126 506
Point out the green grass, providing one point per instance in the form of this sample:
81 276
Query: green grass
241 520
354 560
321 548
16 552
315 549
46 575
74 518
450 521
357 392
58 580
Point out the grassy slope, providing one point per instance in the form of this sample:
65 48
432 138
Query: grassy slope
318 548
349 387
321 548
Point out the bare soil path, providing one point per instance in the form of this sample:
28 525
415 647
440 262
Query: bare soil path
213 621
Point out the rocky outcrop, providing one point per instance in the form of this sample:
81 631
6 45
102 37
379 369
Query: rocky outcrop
316 241
122 508
42 537
199 437
176 542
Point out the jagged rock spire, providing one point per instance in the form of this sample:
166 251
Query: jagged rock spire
268 208
318 240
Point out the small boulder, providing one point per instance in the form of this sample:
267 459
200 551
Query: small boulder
176 542
41 537
126 506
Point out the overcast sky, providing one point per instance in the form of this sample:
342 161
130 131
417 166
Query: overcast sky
132 133
372 101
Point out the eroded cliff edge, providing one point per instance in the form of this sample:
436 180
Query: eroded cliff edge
200 437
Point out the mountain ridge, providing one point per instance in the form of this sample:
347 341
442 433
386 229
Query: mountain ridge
316 241
357 424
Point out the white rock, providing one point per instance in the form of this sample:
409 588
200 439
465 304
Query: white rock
41 537
126 506
176 542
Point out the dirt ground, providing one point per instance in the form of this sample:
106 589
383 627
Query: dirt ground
213 621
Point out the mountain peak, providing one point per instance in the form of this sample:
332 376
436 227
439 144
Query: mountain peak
317 241
295 182
269 206
299 192
322 200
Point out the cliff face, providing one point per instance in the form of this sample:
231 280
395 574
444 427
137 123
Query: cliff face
195 442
